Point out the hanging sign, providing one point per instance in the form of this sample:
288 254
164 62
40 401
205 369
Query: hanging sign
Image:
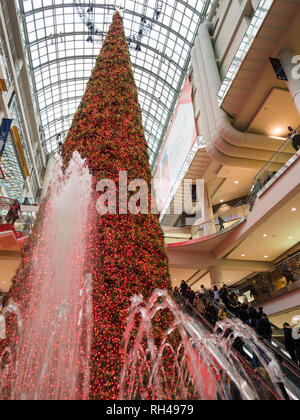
4 130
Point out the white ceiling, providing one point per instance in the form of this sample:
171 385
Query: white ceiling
178 274
282 230
237 183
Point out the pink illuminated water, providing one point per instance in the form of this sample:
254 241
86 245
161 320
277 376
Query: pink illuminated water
51 358
196 364
53 349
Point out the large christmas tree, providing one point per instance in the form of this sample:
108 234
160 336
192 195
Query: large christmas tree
126 252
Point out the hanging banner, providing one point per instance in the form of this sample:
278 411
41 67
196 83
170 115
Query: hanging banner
18 143
178 143
4 131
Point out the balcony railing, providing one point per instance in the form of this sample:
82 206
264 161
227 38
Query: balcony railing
267 176
215 226
280 280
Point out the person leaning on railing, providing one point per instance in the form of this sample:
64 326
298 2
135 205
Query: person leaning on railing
295 137
13 213
287 272
253 195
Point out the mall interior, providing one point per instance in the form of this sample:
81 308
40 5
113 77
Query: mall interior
218 84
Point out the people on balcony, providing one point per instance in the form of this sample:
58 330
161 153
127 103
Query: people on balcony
295 137
13 213
221 223
253 195
287 272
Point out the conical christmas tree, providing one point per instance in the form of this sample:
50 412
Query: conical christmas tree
127 252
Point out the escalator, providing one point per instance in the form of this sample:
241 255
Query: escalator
289 368
244 356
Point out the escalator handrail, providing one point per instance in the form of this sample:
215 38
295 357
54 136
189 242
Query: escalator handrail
211 329
289 364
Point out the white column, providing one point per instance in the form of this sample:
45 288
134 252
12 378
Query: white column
290 63
48 175
207 216
216 276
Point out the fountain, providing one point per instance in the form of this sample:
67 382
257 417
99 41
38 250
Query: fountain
50 359
52 355
201 361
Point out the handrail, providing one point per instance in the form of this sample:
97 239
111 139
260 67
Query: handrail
292 366
211 329
257 184
213 220
268 277
282 146
285 260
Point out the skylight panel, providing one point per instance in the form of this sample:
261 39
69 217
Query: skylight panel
63 54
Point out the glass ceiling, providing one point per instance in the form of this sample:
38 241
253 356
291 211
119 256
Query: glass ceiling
65 37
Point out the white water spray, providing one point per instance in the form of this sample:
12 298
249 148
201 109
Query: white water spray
52 354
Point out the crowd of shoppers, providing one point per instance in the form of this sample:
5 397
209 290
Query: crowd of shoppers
204 301
214 305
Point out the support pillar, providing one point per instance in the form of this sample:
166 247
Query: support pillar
216 276
48 175
207 220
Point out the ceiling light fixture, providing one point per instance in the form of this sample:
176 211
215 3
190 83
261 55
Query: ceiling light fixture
294 209
277 131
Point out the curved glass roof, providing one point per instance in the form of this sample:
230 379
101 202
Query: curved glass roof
64 39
